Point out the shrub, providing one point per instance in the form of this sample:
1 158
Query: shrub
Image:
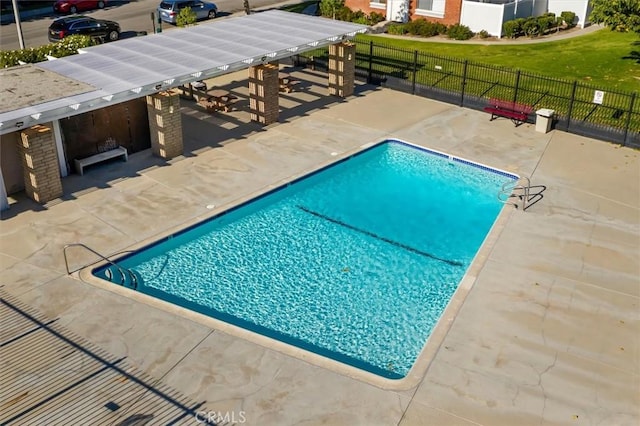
375 18
484 34
331 8
413 27
441 28
531 27
428 29
520 22
186 17
425 28
511 29
358 16
568 18
364 20
68 46
546 22
459 32
397 29
344 14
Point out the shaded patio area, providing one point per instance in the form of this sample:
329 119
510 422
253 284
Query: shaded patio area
53 376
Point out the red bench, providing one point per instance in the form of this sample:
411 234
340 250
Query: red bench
516 112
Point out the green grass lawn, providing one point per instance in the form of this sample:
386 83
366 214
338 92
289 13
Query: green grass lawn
606 59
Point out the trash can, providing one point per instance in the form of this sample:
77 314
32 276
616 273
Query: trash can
544 118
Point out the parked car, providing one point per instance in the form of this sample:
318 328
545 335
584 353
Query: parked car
75 6
169 9
84 25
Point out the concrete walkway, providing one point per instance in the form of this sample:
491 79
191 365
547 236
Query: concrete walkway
547 331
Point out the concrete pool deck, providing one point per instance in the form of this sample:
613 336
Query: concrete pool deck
549 332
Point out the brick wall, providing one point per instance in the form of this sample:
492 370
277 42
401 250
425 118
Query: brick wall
363 5
165 124
37 148
342 69
452 11
264 88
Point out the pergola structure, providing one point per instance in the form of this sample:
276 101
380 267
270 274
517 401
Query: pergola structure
151 66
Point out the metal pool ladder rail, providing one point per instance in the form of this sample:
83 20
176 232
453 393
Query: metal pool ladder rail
124 272
521 192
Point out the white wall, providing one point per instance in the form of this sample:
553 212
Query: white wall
482 16
581 8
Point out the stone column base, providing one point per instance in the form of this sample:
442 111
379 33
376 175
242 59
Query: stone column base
165 124
264 88
37 148
342 69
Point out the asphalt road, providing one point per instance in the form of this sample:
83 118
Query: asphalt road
133 16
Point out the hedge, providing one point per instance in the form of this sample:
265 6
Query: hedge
65 47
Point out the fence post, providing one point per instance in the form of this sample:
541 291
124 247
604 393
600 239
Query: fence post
370 74
628 123
515 92
573 97
464 82
415 71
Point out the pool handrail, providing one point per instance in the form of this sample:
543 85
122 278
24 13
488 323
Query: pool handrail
105 258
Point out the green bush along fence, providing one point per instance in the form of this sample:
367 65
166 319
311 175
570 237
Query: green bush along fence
580 108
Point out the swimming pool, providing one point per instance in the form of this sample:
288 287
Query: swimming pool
355 262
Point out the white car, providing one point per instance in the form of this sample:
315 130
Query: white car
169 9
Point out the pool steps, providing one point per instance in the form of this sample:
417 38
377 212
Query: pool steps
128 278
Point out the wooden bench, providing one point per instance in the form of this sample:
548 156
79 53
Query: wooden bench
516 112
100 157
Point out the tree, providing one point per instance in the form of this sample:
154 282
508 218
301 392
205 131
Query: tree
619 15
329 8
186 17
247 8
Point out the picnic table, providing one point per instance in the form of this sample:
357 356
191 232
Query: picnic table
287 83
218 99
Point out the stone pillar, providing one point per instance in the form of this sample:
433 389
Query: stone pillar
165 124
342 69
37 148
264 88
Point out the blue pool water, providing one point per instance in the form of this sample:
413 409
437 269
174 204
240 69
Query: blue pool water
356 262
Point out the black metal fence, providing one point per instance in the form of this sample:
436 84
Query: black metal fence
583 109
